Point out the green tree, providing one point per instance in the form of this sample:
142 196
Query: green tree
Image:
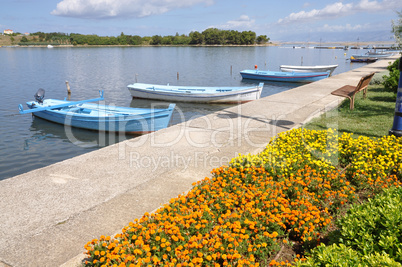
233 37
213 36
134 40
247 38
156 40
196 38
122 39
262 39
167 40
24 39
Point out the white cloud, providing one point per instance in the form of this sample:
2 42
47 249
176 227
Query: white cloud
244 22
97 9
340 9
375 6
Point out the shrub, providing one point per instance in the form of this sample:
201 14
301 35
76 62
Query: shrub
343 256
391 81
375 226
369 235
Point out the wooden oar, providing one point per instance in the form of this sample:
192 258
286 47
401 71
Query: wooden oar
22 111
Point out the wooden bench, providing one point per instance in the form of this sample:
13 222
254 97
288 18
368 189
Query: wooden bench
350 91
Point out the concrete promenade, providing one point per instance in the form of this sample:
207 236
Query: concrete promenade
48 215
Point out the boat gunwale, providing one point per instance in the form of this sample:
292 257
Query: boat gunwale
195 95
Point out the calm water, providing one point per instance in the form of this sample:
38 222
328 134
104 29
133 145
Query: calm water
28 143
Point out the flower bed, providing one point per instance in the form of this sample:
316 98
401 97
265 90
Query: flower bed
249 210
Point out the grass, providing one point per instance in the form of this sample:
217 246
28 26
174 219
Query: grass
372 116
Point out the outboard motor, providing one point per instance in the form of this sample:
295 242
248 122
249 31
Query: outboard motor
40 95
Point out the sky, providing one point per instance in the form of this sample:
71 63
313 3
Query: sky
283 20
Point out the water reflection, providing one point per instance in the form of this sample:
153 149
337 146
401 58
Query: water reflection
42 129
183 111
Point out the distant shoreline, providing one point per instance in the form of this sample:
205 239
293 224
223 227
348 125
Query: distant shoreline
6 41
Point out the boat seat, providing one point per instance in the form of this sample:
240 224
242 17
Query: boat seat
350 91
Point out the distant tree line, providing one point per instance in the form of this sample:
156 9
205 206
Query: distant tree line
211 36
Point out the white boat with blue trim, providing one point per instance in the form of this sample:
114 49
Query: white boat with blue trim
98 117
280 76
316 68
196 94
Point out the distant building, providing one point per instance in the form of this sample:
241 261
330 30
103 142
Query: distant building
8 31
26 34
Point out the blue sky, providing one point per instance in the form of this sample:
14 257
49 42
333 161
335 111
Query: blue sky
286 20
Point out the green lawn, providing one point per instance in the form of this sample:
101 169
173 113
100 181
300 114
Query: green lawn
372 116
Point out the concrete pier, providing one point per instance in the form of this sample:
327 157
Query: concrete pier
48 215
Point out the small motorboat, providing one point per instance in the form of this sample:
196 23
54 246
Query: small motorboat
98 117
317 68
279 76
197 94
363 58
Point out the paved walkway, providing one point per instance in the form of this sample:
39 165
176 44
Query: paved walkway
48 215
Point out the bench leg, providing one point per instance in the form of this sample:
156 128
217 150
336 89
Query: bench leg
352 102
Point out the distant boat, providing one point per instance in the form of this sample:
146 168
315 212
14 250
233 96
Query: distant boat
49 46
317 68
363 58
81 114
198 94
379 54
279 76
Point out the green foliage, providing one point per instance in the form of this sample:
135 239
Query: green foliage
233 37
247 38
378 78
375 226
156 40
262 39
196 38
342 256
391 81
331 256
211 36
370 235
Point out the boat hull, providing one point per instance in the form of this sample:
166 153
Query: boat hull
195 94
106 118
363 58
318 68
277 76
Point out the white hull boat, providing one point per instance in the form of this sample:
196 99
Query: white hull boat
318 68
196 94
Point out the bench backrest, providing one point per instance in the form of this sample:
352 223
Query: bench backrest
364 82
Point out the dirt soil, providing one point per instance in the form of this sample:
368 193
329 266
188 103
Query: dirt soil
11 40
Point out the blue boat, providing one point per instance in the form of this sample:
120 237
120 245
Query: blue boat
363 58
98 117
278 76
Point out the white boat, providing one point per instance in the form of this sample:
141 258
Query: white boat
49 46
197 94
281 76
318 68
